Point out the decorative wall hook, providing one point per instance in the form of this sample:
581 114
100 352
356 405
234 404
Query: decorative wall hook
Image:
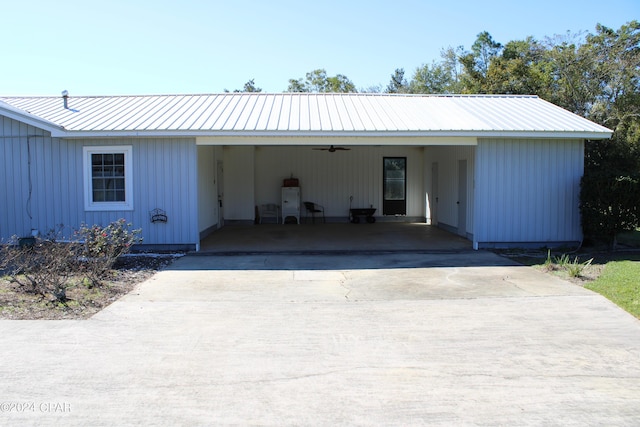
158 215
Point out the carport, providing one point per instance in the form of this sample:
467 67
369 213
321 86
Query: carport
500 171
333 237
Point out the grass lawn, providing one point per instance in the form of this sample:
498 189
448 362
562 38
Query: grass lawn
620 282
615 275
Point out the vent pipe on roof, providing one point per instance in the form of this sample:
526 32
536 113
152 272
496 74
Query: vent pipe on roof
65 97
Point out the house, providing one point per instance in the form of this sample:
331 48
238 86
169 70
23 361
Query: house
498 170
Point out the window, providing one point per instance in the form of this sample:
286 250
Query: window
108 182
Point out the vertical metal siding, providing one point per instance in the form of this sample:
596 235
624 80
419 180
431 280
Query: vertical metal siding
14 176
207 188
447 158
528 190
330 179
164 174
239 184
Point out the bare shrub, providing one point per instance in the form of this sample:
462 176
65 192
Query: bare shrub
43 266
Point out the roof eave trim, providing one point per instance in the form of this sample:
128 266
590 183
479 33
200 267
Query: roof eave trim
30 119
58 132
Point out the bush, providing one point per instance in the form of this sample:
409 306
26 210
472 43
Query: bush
43 267
610 189
103 245
609 205
47 266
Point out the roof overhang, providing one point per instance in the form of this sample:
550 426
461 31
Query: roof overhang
30 119
216 137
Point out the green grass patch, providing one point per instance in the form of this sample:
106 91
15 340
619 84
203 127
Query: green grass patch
620 282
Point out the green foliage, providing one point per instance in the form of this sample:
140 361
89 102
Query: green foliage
398 83
249 86
619 283
609 204
562 260
435 78
318 81
573 268
477 62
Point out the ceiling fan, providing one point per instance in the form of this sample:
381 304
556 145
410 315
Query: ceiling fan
333 149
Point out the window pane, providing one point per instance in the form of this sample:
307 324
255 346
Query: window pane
98 196
394 189
108 177
394 168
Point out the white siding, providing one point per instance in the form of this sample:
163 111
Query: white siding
528 190
239 184
207 188
164 174
447 158
329 179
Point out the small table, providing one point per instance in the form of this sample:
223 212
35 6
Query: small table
356 213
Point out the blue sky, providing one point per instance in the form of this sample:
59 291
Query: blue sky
196 46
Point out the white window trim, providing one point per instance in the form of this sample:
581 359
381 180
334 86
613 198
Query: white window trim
89 204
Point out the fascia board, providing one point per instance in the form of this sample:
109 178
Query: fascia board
59 132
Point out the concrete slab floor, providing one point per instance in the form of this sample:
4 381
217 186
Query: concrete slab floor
387 339
381 236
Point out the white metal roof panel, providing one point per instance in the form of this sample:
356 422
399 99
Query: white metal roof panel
306 114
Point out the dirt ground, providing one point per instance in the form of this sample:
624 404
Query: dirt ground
83 302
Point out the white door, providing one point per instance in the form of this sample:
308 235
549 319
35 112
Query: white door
462 198
220 179
433 202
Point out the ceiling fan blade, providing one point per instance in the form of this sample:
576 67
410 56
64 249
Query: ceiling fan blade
333 149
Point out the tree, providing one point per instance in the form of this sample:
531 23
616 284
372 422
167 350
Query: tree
318 81
249 86
520 69
476 63
451 63
398 83
610 192
436 78
573 83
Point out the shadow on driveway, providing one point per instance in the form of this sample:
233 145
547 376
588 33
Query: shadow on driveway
354 260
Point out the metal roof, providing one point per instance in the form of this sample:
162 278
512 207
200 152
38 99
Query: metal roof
304 114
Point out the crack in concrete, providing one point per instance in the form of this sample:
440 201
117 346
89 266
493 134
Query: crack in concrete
448 276
342 283
433 372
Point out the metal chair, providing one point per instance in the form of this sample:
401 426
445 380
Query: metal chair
270 210
313 209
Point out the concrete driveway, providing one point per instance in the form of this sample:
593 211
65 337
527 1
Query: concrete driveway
382 339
